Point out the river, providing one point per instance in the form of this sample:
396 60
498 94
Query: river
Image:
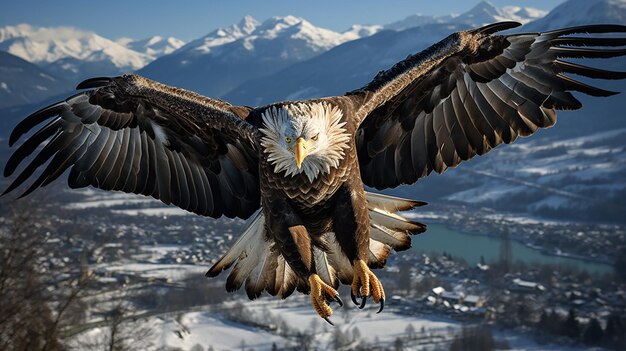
439 238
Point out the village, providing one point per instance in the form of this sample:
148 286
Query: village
162 259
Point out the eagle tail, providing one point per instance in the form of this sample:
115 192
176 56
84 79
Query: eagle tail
259 265
389 232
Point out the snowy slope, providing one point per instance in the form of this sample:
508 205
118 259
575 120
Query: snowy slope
580 12
69 52
223 59
481 14
154 47
485 12
22 82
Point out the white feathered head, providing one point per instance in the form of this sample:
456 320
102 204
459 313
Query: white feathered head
304 138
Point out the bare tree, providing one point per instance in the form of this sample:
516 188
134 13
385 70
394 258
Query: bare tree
122 329
26 320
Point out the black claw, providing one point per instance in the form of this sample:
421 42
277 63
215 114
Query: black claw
382 305
328 320
353 297
363 302
339 301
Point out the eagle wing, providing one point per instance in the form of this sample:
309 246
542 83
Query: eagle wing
138 136
471 92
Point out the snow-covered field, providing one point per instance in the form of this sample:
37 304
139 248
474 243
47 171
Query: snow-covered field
211 329
122 203
574 173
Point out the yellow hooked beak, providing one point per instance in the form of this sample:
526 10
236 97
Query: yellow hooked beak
301 152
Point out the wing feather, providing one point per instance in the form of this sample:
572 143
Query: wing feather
135 135
471 92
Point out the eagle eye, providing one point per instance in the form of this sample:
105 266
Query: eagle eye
288 139
315 137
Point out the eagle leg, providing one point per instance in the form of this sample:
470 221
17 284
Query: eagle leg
321 295
365 284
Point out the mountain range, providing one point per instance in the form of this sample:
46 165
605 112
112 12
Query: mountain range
230 56
254 63
217 62
481 14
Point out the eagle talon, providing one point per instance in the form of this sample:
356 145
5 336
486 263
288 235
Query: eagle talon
366 284
353 297
322 295
328 321
336 299
363 303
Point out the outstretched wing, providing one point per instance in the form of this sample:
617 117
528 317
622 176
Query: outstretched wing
471 92
138 136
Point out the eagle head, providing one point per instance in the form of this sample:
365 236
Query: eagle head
304 138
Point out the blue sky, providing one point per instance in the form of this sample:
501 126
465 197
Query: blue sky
189 19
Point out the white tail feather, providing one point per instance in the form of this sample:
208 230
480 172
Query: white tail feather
323 267
377 254
259 264
242 245
390 203
397 239
391 220
259 276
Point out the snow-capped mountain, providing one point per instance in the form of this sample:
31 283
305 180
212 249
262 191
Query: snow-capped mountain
69 52
581 12
226 57
154 47
351 65
358 31
22 82
486 13
481 14
222 36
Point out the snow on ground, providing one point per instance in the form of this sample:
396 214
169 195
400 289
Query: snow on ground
211 330
158 211
173 272
384 327
126 200
521 219
485 193
122 203
560 174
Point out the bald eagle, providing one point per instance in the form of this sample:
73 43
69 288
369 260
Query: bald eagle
304 164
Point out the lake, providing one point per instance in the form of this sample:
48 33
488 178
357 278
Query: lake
439 238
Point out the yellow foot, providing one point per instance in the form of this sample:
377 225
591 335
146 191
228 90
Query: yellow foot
365 284
321 295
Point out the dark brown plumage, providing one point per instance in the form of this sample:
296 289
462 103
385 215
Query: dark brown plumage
305 162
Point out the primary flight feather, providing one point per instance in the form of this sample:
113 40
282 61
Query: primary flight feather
304 163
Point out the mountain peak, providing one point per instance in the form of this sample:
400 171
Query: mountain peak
278 23
248 24
50 44
484 6
582 12
485 13
154 46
